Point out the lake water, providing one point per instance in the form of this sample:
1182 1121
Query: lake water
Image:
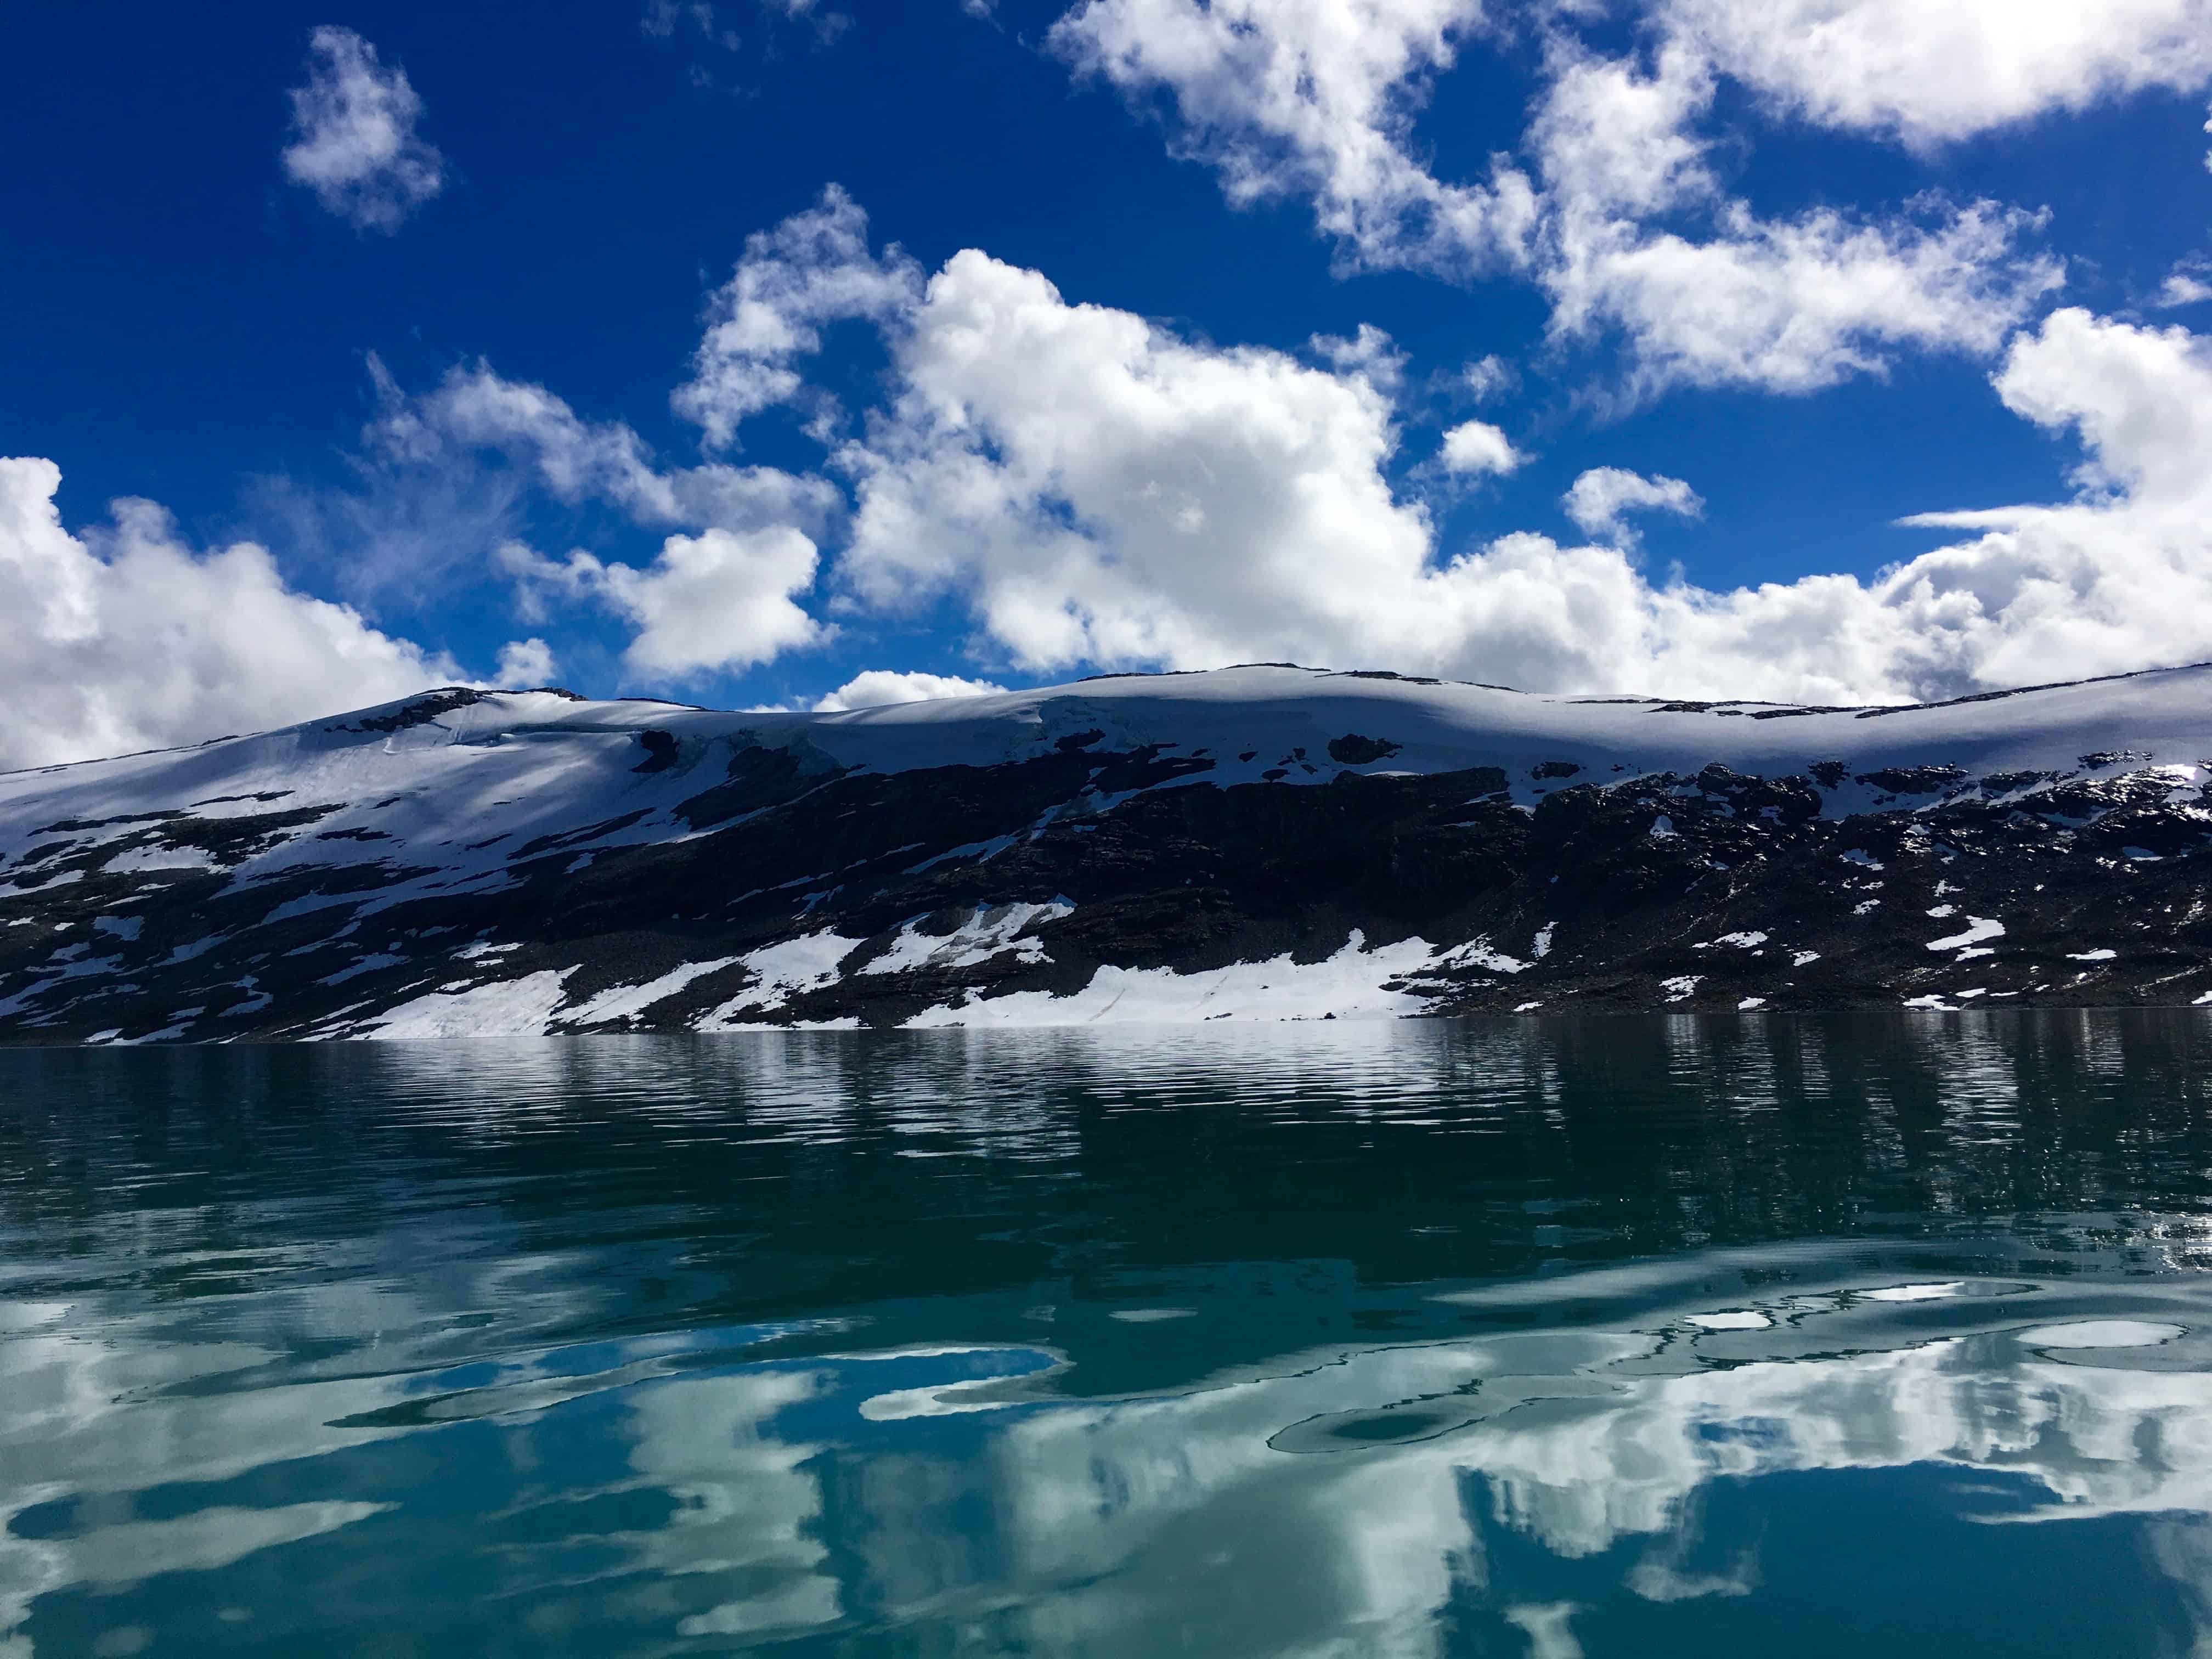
1624 1337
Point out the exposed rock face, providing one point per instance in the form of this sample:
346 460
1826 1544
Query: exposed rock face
1257 843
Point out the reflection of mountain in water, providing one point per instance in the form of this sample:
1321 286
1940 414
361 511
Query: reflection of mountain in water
1455 1341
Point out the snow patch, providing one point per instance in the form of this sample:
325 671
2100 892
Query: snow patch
368 965
516 1007
783 971
1478 953
983 852
1682 988
124 927
988 933
1349 985
1978 928
145 861
623 1001
1735 941
62 880
2092 956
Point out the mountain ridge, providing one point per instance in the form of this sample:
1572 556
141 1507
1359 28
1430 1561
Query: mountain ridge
1261 841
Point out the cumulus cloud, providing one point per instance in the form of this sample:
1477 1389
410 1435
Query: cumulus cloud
1476 448
2189 283
525 664
123 638
1102 490
1599 501
878 687
355 142
1315 100
812 270
2122 576
1780 305
718 602
1614 209
1099 490
1930 74
474 409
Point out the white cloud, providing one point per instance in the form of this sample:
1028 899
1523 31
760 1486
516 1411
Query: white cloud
356 145
1787 306
719 602
1477 448
525 665
1313 99
126 639
2186 284
663 19
878 687
1623 226
1098 490
1486 378
2122 577
1929 73
475 408
812 270
1104 491
1369 352
1600 500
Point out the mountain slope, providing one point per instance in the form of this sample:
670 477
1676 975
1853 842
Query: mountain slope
1264 842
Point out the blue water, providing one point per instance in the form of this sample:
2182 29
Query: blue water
1626 1337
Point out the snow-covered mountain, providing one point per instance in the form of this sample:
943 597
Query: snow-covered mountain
1258 842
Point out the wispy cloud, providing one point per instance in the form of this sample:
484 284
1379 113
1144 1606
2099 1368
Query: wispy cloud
355 142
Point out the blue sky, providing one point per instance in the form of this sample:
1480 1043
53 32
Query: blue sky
1650 322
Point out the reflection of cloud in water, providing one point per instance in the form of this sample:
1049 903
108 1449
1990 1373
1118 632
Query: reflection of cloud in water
650 1455
1118 1520
748 1507
1338 1501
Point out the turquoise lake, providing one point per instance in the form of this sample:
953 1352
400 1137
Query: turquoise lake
1629 1337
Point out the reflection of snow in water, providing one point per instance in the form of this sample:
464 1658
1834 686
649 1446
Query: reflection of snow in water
2101 1334
1915 1293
